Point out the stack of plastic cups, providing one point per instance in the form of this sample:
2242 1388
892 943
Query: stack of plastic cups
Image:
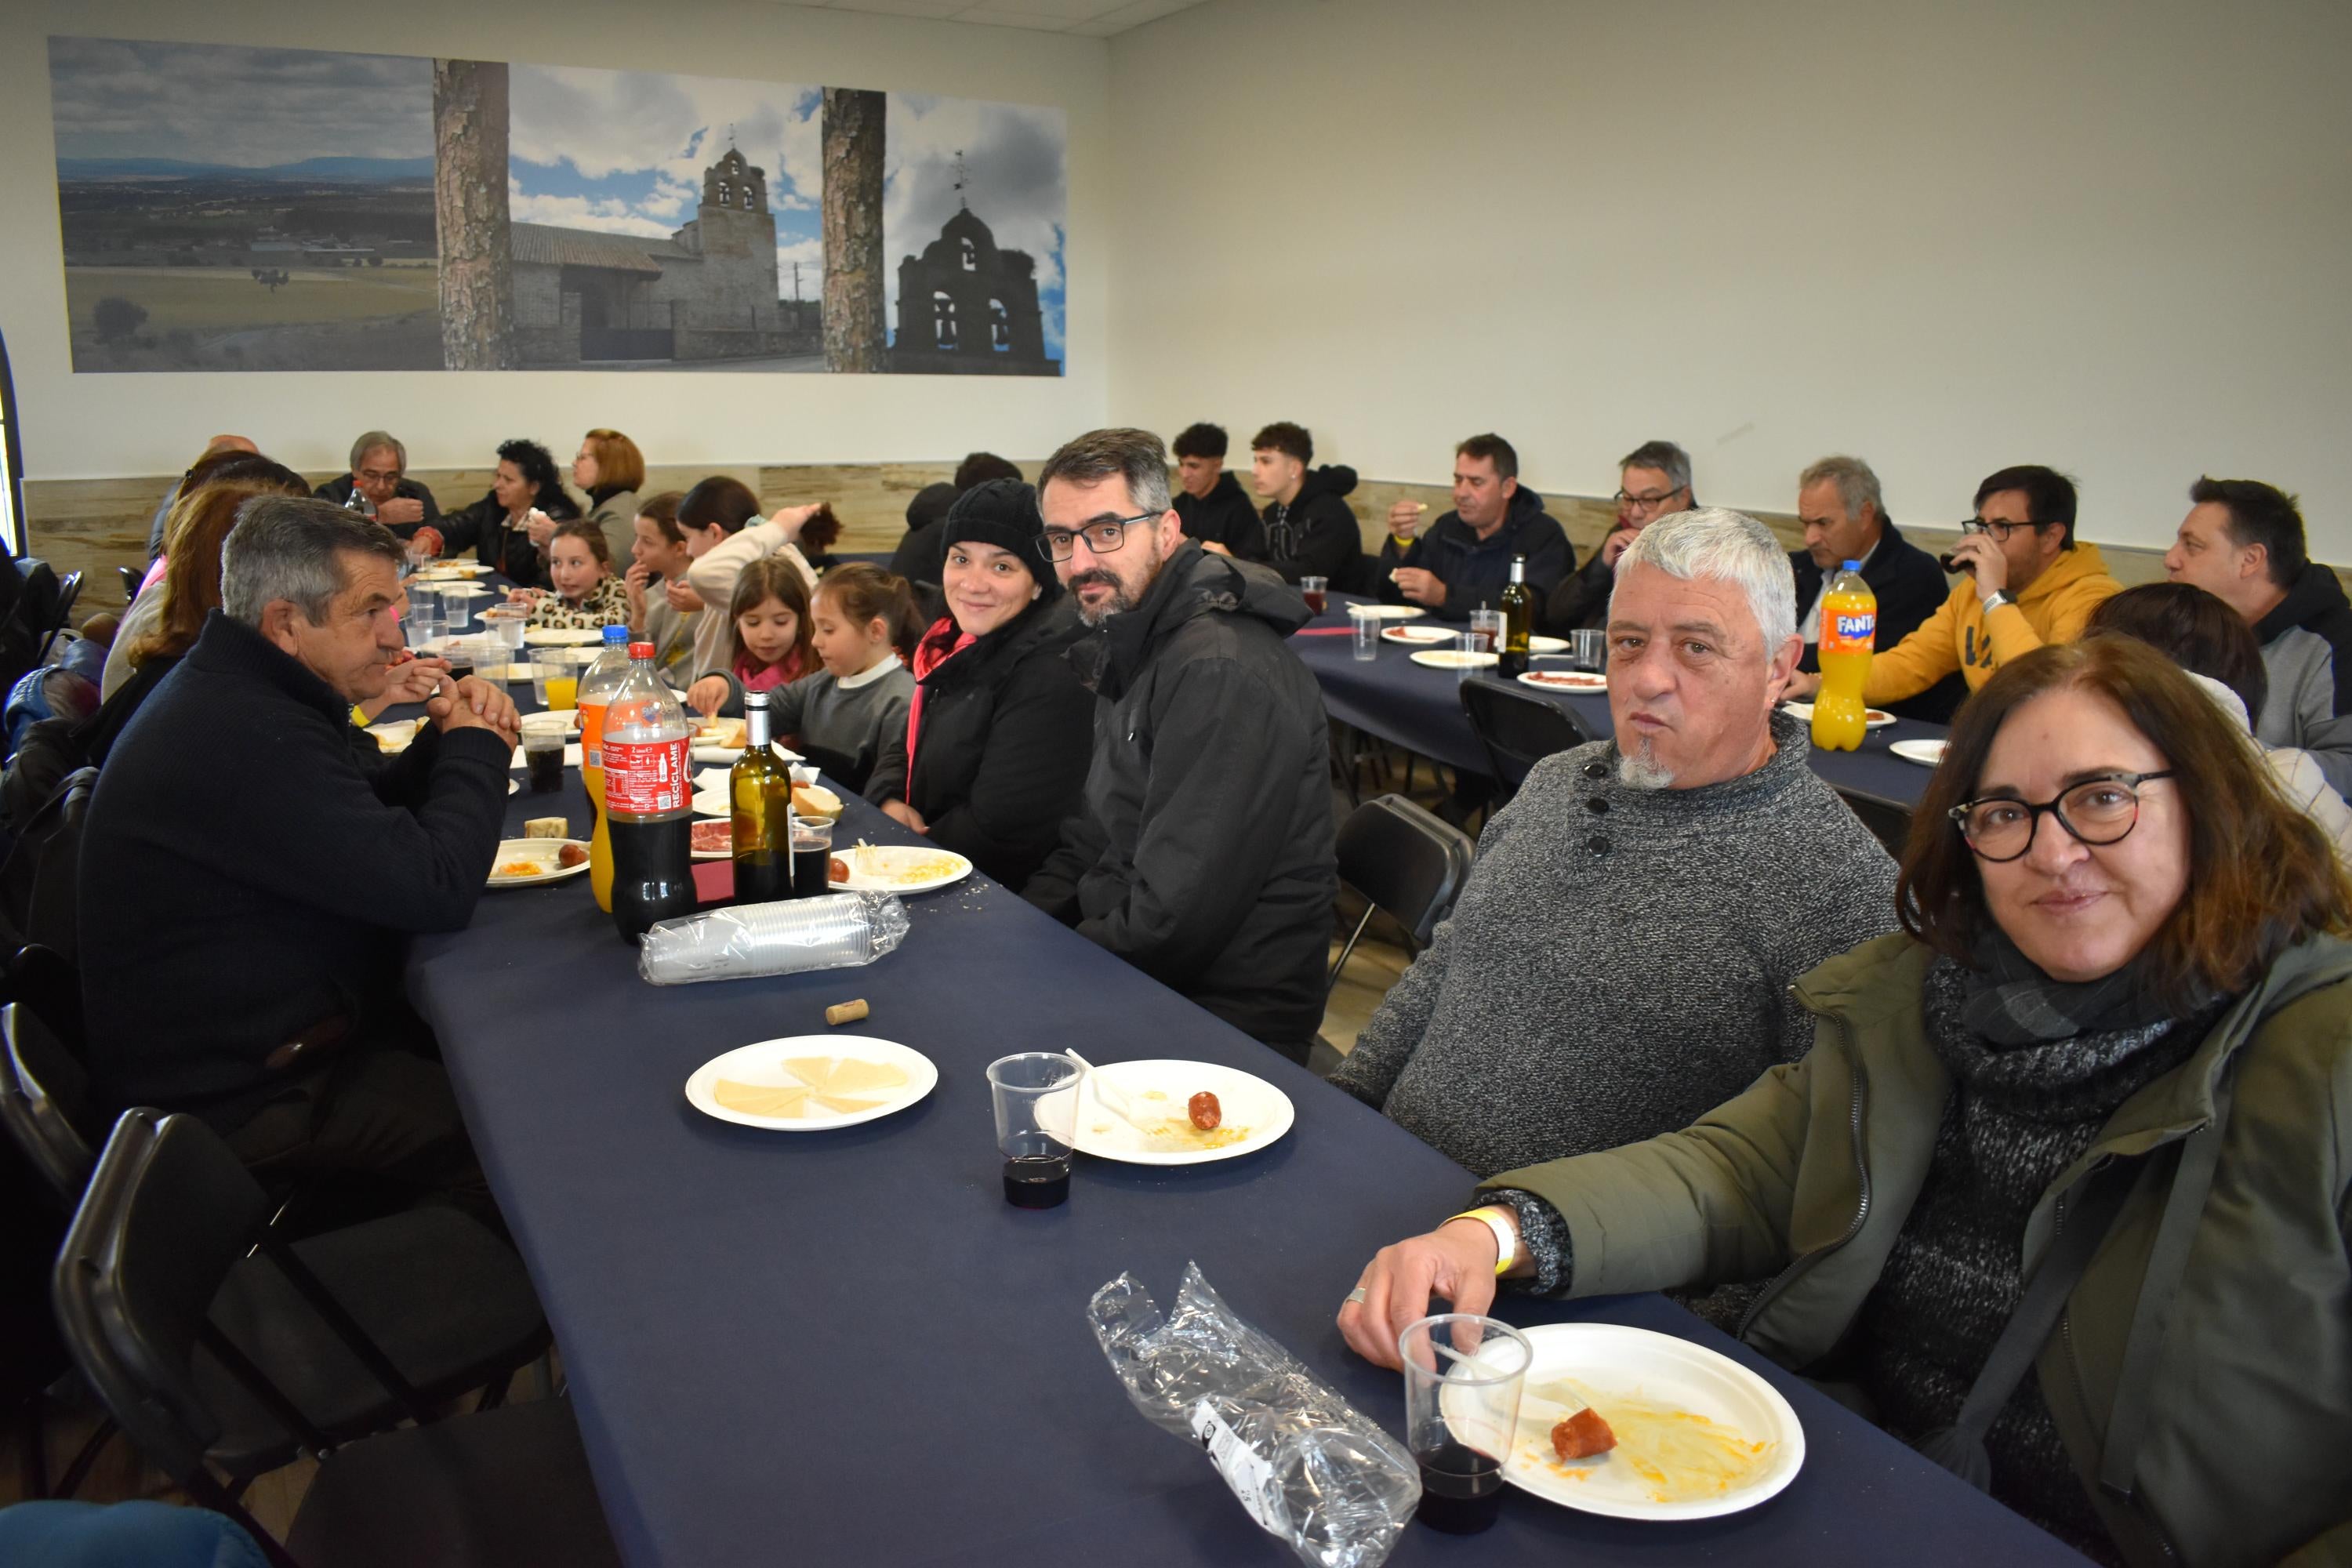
837 930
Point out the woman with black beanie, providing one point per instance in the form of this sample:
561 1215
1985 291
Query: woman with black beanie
1000 732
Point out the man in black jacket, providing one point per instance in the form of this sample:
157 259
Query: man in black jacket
1208 502
379 472
1653 480
1203 853
1463 560
1310 528
252 867
1844 514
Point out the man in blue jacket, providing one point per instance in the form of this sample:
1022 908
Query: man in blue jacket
1844 514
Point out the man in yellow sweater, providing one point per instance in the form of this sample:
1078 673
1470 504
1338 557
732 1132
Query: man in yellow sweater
2024 582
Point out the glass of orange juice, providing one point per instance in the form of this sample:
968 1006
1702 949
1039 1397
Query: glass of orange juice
563 690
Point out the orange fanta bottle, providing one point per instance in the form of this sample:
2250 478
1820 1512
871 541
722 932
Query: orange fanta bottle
1849 627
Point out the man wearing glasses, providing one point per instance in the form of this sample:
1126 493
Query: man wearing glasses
1202 851
2025 582
1654 480
379 473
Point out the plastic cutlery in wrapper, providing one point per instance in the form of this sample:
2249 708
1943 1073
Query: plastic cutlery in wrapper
1305 1465
795 936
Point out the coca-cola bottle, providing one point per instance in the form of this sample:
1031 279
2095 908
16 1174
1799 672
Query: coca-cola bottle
648 799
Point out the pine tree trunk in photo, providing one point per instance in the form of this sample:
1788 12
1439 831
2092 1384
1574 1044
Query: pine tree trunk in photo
469 206
856 337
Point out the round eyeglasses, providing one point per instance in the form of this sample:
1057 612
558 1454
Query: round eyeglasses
2096 811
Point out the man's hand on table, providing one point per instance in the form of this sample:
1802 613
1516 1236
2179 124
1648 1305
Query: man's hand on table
1457 1262
1421 587
906 816
472 703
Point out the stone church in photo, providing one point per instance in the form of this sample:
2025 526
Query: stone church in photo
708 292
967 307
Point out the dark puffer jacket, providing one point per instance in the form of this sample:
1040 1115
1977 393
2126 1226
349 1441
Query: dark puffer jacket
1006 738
1316 535
1203 852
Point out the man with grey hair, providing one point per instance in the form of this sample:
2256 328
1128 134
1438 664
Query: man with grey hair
1653 480
1202 853
379 474
253 866
1845 517
1620 960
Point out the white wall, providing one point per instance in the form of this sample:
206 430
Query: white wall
77 427
2112 236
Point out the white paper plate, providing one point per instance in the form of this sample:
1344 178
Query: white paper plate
514 786
1247 1101
459 589
571 757
1927 753
1417 637
541 851
1393 612
1617 1362
394 736
562 637
1872 718
570 716
873 867
763 1064
1546 644
1564 680
1453 658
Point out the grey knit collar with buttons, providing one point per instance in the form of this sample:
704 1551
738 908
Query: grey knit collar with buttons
1610 804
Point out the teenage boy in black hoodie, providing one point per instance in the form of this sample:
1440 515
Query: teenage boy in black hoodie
1202 853
1208 502
1310 530
1463 560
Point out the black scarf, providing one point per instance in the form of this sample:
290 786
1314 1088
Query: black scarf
2008 1001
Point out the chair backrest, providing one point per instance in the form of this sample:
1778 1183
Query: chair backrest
68 590
44 1102
38 896
1889 822
1518 727
1406 861
168 1212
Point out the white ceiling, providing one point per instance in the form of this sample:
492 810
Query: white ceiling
1087 19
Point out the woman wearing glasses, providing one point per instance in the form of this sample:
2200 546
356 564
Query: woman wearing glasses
2064 1187
1001 731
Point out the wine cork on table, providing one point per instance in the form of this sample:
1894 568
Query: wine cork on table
845 1012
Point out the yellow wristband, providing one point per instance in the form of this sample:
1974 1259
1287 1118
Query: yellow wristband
359 716
1506 1235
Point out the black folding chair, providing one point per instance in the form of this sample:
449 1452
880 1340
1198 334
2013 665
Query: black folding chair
45 1103
131 578
1405 863
157 1249
68 590
1518 727
1889 821
39 898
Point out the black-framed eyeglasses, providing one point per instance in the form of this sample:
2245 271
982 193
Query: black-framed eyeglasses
2096 811
1102 538
1659 500
1999 530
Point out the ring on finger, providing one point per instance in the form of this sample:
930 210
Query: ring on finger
1357 1296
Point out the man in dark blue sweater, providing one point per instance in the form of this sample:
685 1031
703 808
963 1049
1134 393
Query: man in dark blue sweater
1461 560
253 866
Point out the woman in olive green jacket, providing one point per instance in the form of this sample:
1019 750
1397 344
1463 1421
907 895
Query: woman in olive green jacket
2063 1190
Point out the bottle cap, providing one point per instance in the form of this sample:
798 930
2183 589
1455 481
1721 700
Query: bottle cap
1853 565
641 651
755 700
614 635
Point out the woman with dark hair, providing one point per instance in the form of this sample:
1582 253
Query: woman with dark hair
1000 732
721 523
508 529
2065 1186
2213 643
610 470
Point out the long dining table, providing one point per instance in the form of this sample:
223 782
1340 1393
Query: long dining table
1420 709
845 1347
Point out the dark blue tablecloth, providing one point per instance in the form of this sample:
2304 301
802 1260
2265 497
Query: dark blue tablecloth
1420 709
846 1347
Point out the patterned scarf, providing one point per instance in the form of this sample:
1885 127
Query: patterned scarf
2010 1002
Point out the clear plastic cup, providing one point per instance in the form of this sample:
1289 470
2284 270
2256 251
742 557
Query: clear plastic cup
1469 644
543 739
1589 649
1365 627
1487 627
1037 1099
1316 592
1463 1375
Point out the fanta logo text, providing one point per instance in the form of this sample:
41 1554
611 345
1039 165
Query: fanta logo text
1853 628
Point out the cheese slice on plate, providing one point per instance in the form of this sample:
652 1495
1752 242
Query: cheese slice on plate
760 1100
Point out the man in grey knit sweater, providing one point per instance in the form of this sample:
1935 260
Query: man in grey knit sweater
1620 959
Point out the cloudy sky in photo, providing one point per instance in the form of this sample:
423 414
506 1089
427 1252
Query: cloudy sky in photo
624 152
1016 182
207 103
